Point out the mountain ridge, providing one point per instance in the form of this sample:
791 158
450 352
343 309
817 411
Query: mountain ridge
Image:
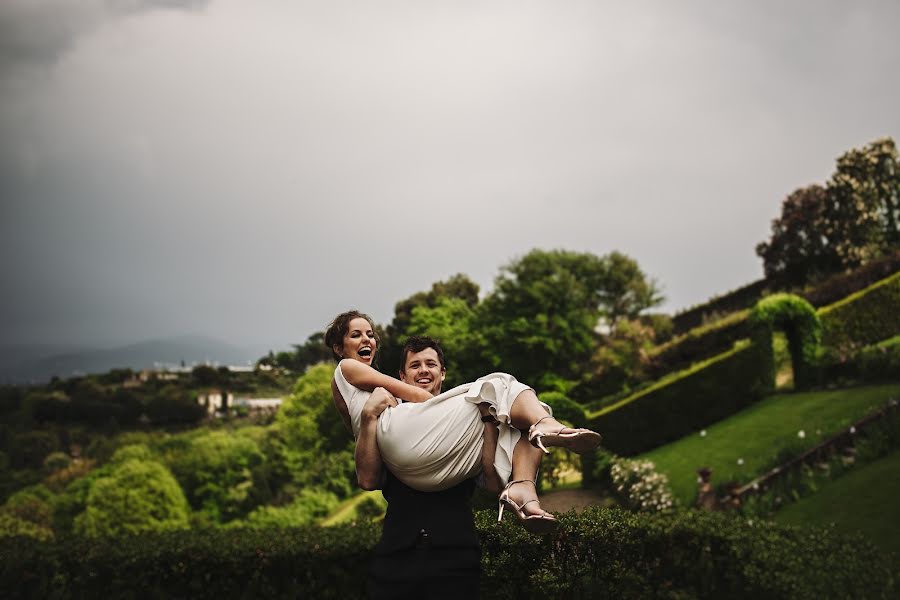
27 364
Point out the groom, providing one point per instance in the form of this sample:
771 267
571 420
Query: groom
428 547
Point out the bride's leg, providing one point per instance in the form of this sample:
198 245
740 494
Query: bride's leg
526 410
526 461
528 415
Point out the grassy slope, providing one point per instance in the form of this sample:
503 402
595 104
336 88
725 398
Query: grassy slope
865 500
757 434
347 509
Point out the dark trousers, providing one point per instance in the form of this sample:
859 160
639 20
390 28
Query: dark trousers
425 573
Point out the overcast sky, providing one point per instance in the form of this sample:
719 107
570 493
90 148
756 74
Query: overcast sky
248 169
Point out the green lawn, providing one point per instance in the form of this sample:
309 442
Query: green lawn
347 509
865 500
742 446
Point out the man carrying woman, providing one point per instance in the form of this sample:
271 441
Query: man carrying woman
424 452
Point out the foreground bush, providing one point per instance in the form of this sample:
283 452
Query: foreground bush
599 554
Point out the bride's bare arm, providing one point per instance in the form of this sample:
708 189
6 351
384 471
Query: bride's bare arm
366 378
369 466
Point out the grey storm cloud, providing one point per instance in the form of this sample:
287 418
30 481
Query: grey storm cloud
40 31
249 169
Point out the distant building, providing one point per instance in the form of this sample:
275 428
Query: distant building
215 402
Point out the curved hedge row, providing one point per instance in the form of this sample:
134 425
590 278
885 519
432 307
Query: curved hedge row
840 286
602 553
863 318
739 299
691 400
698 343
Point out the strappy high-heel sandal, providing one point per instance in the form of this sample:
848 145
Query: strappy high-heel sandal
537 524
578 441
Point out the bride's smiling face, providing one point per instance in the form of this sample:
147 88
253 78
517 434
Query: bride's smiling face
359 341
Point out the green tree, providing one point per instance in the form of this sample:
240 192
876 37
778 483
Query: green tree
205 376
851 221
622 357
540 322
314 445
798 251
451 321
173 404
457 288
216 472
135 497
625 291
863 209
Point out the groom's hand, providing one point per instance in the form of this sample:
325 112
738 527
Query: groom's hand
377 402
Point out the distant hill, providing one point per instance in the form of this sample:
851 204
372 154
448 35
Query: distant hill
37 364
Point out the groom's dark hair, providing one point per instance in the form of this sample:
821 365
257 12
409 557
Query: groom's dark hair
417 343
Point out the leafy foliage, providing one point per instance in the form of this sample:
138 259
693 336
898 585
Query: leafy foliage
451 320
311 440
136 496
862 215
216 473
640 486
540 320
599 553
454 297
798 251
801 326
309 505
848 223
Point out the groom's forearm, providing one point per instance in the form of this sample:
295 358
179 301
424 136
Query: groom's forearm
369 468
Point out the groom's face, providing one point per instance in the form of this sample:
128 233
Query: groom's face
423 369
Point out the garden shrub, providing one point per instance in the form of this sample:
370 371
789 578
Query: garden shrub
136 496
639 486
863 318
691 400
309 505
601 553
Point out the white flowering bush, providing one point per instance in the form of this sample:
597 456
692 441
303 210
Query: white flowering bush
640 487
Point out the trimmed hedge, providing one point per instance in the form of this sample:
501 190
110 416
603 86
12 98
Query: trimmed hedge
697 344
863 318
821 294
309 562
840 286
802 327
880 362
691 400
602 553
739 299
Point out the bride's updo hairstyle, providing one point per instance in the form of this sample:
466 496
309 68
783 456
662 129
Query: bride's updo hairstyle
337 329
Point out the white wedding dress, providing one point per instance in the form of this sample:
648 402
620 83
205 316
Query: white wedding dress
436 444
